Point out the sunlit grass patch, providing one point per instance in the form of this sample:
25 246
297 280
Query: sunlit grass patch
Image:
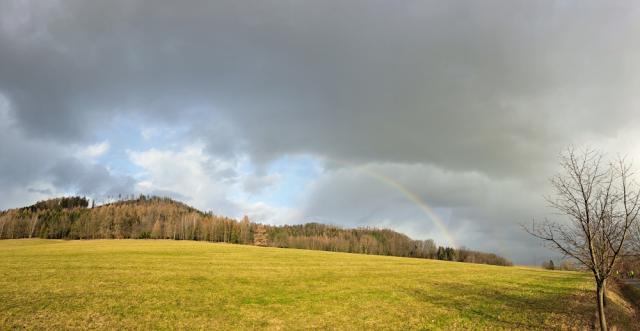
159 284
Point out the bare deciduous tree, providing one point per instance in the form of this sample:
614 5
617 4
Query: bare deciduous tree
33 222
600 201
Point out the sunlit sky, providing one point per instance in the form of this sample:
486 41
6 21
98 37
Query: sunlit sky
398 114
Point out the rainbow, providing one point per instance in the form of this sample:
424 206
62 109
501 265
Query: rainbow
414 198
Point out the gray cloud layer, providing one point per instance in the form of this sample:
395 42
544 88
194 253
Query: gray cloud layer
489 91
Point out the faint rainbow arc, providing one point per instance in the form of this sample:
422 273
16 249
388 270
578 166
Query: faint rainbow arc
421 204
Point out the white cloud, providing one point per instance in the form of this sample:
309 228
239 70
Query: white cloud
148 133
204 182
95 150
262 212
222 185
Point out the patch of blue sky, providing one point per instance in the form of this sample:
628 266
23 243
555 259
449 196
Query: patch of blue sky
134 133
295 173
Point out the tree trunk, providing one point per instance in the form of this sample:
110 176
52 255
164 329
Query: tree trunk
601 314
33 227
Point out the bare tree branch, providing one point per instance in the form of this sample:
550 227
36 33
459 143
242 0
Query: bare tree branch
601 203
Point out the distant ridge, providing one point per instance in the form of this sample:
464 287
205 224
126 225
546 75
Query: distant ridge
152 217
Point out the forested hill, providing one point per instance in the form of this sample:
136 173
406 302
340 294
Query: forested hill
164 218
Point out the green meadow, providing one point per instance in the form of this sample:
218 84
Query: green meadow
163 284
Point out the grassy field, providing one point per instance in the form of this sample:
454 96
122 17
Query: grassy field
148 284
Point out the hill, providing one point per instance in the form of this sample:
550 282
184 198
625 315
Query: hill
163 218
167 284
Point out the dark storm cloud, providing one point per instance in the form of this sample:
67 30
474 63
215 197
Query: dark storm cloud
21 159
489 88
475 210
463 85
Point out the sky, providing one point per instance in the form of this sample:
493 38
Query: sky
438 119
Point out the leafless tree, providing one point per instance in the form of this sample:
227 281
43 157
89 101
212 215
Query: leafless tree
601 203
33 221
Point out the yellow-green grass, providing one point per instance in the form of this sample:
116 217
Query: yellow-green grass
161 284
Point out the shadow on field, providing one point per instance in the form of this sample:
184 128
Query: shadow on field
512 309
631 292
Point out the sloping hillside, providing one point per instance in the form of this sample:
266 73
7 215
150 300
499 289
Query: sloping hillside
167 284
163 218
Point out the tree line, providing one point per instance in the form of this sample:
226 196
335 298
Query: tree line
163 218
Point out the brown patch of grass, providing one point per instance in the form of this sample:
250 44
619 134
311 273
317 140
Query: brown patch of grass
629 298
622 310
